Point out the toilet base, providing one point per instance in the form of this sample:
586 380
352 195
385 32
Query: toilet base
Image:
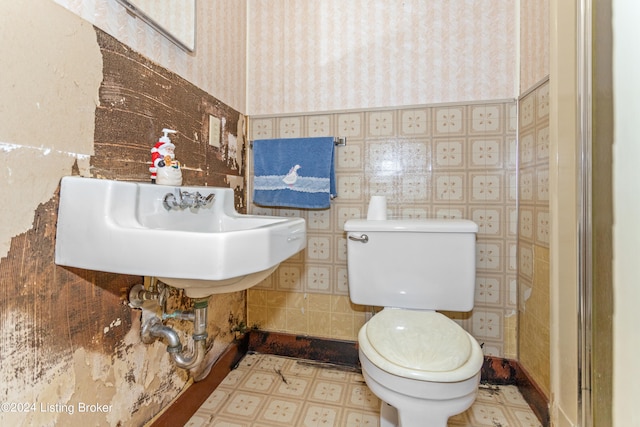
389 418
409 403
388 415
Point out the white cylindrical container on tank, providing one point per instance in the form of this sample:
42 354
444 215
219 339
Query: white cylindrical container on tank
377 208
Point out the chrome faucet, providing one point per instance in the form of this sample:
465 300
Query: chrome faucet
184 199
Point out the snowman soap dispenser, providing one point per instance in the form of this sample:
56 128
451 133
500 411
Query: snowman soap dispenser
165 169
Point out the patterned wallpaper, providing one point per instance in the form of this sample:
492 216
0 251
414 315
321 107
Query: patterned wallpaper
280 56
447 161
335 55
534 43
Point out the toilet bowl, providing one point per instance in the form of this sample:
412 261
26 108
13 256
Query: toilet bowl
422 365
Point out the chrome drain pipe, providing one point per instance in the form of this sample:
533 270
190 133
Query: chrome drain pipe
153 328
199 338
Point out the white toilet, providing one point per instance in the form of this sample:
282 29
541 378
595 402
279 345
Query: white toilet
423 366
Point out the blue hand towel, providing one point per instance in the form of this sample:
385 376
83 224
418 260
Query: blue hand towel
294 172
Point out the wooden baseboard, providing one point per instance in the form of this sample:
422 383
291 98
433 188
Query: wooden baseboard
533 395
495 371
304 347
499 371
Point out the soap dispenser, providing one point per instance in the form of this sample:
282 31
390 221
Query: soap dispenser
165 169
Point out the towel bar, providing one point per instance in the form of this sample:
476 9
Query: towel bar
338 141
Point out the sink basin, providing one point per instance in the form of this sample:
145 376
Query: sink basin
128 228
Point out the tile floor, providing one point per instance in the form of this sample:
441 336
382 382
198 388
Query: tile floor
271 391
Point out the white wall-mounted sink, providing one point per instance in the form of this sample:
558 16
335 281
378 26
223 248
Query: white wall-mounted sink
125 227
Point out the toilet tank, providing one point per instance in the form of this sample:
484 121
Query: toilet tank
419 264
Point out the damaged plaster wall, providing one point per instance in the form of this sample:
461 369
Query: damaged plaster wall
77 102
49 85
219 63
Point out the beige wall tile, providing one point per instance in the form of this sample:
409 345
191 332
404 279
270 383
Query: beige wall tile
320 324
450 161
533 239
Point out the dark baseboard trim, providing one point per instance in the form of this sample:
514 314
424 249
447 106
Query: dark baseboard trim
304 347
499 371
534 396
495 371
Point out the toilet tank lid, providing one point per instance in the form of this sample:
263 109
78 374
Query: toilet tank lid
414 225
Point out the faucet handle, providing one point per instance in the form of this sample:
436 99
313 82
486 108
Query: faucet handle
205 202
169 202
184 199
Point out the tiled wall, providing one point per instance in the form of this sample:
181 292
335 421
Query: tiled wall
533 237
447 161
534 227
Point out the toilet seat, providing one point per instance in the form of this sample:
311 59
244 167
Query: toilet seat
422 345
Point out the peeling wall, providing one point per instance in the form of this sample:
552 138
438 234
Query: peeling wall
219 62
46 80
77 102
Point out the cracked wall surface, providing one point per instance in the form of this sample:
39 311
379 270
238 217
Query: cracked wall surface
78 102
49 89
